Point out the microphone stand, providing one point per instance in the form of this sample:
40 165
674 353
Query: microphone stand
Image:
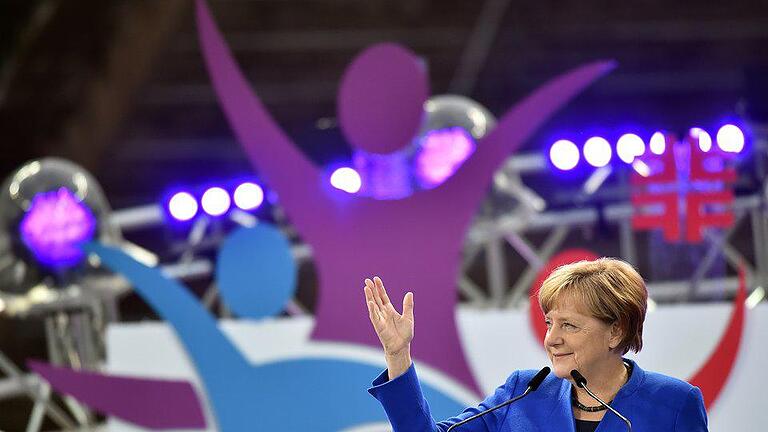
501 405
533 384
581 382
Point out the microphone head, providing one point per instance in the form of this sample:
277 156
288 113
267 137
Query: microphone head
578 379
535 382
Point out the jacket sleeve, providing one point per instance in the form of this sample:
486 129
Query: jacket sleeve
408 411
692 416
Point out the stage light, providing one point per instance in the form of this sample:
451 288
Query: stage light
705 140
730 139
215 201
597 152
182 206
564 155
658 143
346 179
248 196
441 153
54 227
629 146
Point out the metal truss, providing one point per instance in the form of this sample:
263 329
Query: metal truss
498 236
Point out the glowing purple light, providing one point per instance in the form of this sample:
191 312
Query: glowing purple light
215 201
597 152
182 206
730 139
346 179
705 141
248 196
442 152
629 146
658 143
54 227
564 155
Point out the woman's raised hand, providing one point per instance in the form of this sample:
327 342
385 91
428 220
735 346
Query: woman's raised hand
395 330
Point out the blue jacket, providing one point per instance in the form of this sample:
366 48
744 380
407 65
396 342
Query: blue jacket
651 401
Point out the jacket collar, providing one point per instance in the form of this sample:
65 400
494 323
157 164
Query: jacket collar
563 413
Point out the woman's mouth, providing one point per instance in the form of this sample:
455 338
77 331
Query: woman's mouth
559 356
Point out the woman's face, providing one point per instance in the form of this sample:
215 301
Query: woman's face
577 340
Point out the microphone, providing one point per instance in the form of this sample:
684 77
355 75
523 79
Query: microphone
581 382
533 384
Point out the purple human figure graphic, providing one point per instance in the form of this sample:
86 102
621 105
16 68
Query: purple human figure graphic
414 243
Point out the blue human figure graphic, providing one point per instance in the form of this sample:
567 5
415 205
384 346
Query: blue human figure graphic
290 395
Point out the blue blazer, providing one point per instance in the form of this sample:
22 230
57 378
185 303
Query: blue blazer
651 401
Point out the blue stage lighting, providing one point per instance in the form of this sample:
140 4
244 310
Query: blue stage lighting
658 143
597 152
705 140
215 201
564 155
629 146
182 206
248 196
346 179
730 139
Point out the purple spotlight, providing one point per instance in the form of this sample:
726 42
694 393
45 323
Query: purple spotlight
442 152
564 155
54 227
248 196
730 139
597 152
658 143
629 146
215 201
705 141
182 206
346 179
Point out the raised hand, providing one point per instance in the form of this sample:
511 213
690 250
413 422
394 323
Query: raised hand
395 330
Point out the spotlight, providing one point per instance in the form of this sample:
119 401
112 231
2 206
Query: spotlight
730 139
346 179
564 155
248 196
215 201
657 143
56 223
442 152
182 206
705 141
597 152
629 146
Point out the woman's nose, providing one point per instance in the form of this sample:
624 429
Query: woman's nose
552 338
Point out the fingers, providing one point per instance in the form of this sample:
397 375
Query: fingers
368 292
408 306
388 306
376 294
380 288
374 313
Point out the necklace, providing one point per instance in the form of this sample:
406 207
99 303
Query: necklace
576 404
575 400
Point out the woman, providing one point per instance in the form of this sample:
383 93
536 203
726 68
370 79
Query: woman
594 311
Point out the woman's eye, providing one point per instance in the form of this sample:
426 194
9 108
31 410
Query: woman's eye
569 326
548 323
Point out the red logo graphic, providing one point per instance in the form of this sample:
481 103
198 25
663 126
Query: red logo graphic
684 186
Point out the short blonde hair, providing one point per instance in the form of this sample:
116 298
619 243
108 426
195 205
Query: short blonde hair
610 289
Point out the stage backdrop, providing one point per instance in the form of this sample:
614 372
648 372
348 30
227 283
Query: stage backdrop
678 340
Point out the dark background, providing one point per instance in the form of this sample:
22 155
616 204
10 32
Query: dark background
119 86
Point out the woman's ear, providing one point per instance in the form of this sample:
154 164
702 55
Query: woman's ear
617 335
